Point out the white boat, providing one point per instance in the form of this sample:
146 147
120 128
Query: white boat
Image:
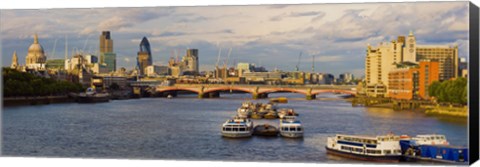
430 139
237 128
286 112
244 112
385 148
291 127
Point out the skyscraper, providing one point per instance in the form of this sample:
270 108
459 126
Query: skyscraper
144 56
191 60
107 56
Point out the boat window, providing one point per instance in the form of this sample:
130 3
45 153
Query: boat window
299 129
228 129
241 129
387 152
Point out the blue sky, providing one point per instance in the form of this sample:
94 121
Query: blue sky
267 35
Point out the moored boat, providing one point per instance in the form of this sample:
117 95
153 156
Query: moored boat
237 128
385 148
265 130
433 148
91 96
291 127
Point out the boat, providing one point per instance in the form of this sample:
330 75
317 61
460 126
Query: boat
271 115
91 96
286 112
432 139
256 116
383 148
244 112
279 100
265 130
433 148
291 127
169 96
237 128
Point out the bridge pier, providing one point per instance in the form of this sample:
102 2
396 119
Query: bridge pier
311 97
259 95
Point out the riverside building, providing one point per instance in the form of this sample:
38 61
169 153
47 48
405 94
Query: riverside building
384 58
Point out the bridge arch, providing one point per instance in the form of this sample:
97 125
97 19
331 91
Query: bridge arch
246 90
177 89
278 90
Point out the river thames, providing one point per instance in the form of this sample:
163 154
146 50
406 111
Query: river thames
188 128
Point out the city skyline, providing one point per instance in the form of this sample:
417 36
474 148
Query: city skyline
274 39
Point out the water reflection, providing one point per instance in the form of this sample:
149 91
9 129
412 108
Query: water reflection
186 127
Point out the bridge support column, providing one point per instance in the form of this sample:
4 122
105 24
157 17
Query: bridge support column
259 95
310 97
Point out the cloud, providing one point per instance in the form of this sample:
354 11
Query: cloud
272 35
297 14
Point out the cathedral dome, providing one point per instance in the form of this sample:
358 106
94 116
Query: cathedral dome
36 55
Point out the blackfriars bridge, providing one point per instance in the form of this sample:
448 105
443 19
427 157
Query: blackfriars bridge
257 91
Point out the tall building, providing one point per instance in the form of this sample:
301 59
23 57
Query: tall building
190 61
14 64
106 42
107 56
346 77
382 59
446 55
36 58
144 56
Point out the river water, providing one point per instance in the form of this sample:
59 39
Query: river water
189 128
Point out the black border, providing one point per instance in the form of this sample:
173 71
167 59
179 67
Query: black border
473 75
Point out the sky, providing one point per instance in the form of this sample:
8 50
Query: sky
272 36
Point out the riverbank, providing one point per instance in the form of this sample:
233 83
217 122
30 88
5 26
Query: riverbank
461 112
36 100
442 112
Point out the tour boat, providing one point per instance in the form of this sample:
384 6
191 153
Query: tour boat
291 127
237 128
384 148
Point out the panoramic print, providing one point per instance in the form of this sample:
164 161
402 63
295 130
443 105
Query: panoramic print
321 83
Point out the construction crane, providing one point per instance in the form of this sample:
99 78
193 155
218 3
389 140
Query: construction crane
298 63
54 46
85 44
225 66
313 63
228 57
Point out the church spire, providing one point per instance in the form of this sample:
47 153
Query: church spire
14 60
411 33
35 39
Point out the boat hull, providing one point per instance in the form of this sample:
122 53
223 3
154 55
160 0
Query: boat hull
386 158
261 130
83 99
237 135
291 135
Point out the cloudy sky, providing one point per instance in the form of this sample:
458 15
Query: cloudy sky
269 35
